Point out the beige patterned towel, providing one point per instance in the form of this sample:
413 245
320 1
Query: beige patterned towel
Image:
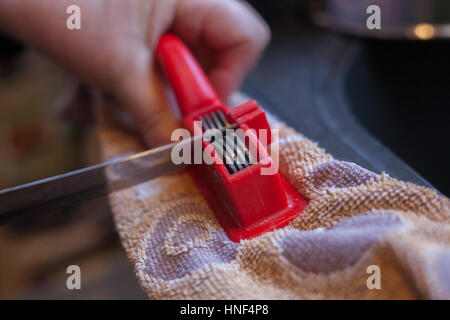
362 236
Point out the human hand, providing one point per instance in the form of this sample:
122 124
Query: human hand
114 49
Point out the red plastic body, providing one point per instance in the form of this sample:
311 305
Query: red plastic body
246 203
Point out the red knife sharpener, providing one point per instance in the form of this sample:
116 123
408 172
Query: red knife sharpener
246 203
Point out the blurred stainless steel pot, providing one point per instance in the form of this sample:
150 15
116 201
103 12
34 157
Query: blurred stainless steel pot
410 19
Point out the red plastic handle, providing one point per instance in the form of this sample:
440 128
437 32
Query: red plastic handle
187 79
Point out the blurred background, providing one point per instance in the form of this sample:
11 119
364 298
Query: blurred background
378 99
36 142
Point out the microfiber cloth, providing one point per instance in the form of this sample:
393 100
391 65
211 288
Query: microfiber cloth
358 225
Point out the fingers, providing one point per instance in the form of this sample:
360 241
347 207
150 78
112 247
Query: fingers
232 31
228 30
143 93
139 86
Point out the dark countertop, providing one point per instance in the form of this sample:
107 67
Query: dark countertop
304 79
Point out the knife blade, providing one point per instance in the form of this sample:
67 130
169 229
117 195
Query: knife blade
87 183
